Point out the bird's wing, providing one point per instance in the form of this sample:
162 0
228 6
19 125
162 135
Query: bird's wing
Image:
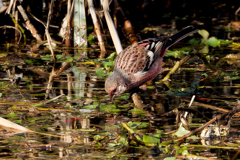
132 59
138 57
141 56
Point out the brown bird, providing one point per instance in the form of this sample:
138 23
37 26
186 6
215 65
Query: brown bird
141 62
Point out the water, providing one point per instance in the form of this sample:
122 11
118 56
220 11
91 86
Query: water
84 124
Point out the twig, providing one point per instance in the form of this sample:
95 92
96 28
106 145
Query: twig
237 153
40 21
206 124
186 113
19 31
97 28
29 25
131 131
211 107
63 68
48 101
176 66
49 39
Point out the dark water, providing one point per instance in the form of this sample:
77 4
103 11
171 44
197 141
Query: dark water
84 124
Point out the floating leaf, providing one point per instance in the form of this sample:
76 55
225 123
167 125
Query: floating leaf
46 57
91 107
213 41
181 132
151 139
204 34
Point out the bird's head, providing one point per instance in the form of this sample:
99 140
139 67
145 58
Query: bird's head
115 85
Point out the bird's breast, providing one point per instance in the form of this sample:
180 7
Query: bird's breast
142 77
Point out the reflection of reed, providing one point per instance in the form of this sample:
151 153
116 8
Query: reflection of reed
69 86
79 84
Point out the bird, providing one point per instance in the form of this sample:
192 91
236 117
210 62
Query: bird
141 62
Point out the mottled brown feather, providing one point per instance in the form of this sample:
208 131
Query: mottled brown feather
132 59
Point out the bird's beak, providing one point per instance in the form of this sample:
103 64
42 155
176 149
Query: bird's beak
112 97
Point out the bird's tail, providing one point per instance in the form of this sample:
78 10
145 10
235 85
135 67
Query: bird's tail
169 41
180 35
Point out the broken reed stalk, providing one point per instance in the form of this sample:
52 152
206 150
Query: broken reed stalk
68 40
49 39
80 26
10 6
29 24
175 67
9 124
68 28
111 27
16 26
202 127
131 131
97 29
186 113
206 124
211 107
64 67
